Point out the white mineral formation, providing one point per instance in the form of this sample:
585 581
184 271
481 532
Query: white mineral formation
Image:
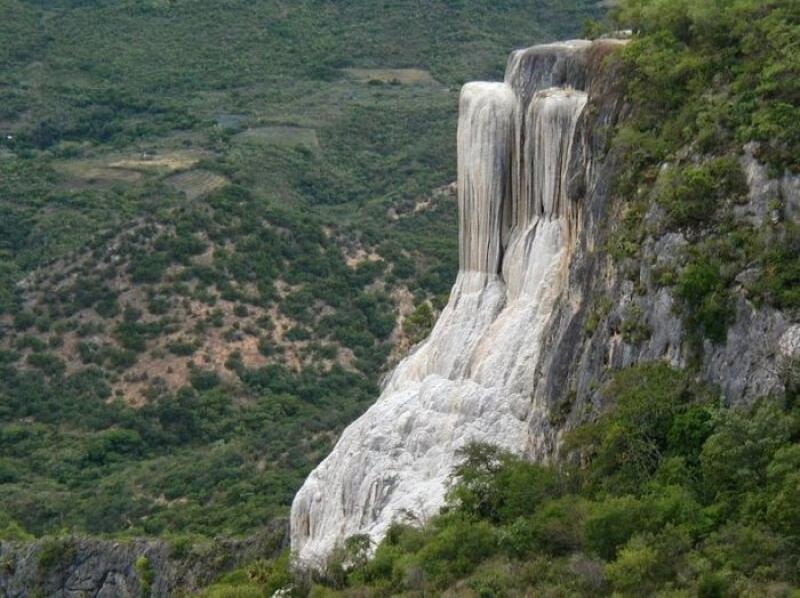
473 378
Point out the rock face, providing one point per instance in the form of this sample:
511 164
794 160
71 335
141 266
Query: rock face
74 567
539 314
523 165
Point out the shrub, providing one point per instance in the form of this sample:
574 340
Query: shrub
56 553
692 194
149 268
735 458
144 570
635 572
558 526
182 347
24 320
457 549
611 523
202 380
271 576
627 443
48 363
494 485
419 323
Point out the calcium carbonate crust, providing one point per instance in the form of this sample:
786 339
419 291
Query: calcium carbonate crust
520 147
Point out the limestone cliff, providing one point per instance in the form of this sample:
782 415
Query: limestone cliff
540 313
526 162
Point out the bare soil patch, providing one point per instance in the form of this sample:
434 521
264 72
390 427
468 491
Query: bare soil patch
404 76
197 183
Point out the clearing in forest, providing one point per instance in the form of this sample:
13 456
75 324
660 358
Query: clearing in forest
405 76
197 183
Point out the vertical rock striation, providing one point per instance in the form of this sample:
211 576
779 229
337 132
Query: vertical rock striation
524 166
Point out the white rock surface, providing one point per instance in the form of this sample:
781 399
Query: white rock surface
473 378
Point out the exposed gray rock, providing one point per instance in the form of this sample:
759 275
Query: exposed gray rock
790 196
540 315
789 343
745 367
764 191
75 567
523 165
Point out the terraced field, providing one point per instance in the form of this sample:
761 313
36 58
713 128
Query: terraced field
196 183
401 76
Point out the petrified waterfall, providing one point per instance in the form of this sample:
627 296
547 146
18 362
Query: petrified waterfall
474 378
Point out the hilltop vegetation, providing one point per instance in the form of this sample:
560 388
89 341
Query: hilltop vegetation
219 223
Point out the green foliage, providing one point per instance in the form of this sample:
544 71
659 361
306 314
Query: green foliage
704 78
735 458
703 290
10 530
497 486
271 575
779 280
146 575
648 422
693 194
674 497
419 323
680 70
456 550
55 553
611 524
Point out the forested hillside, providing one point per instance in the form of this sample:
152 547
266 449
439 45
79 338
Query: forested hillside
219 222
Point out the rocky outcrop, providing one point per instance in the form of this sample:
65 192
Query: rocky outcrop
526 162
75 567
614 315
540 314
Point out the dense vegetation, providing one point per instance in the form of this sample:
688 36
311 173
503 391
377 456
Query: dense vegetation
705 79
665 494
210 216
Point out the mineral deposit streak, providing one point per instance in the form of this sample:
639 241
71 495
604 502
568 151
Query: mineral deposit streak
473 378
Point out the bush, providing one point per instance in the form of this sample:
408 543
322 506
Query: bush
24 320
418 324
637 569
202 380
146 575
182 348
627 443
494 485
735 458
692 194
611 523
558 526
457 549
48 363
56 554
